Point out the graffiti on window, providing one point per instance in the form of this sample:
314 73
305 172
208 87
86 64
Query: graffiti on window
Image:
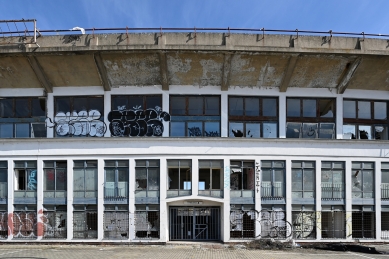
137 122
75 123
24 224
31 185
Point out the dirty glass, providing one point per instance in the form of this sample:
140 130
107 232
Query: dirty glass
195 105
349 109
270 130
327 130
49 180
153 178
6 108
380 111
212 105
62 104
211 129
293 129
90 179
80 104
235 106
61 179
153 101
253 130
6 130
178 105
78 179
269 107
22 108
195 129
252 106
309 108
135 102
309 130
119 102
141 178
177 129
326 108
364 110
293 107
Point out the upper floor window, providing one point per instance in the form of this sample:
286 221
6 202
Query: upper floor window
22 117
210 178
362 178
3 180
116 179
85 179
273 179
310 118
195 116
179 178
25 179
242 179
385 181
253 117
364 119
147 178
80 116
332 180
303 179
55 179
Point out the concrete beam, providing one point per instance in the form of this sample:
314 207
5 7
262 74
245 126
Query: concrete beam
347 75
288 73
102 71
163 71
36 67
226 73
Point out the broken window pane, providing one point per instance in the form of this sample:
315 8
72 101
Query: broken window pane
364 110
364 132
327 108
349 132
236 129
381 132
242 182
349 109
293 130
253 130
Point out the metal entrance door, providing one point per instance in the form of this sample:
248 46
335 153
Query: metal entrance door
194 223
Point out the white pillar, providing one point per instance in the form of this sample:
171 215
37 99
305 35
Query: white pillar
50 113
10 199
195 178
339 117
282 116
69 194
318 199
288 187
163 208
224 114
349 199
39 193
107 110
258 205
131 199
225 210
165 108
378 199
100 199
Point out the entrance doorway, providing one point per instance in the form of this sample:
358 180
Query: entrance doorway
194 223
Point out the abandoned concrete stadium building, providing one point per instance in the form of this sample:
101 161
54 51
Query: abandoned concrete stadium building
193 136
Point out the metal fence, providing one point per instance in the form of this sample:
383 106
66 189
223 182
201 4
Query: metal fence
24 225
54 224
85 225
116 225
363 224
3 225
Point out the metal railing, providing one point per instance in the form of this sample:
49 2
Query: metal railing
332 191
384 190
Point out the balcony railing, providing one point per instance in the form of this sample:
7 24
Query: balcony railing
384 190
272 190
116 192
332 191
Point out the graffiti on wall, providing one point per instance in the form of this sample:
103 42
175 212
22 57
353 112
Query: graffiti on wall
3 225
54 224
24 224
226 177
82 123
137 122
257 176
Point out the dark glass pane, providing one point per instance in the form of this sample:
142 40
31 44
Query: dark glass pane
269 107
61 179
251 106
22 130
31 180
235 106
22 108
380 110
38 130
212 129
6 108
6 130
80 104
178 105
38 107
122 175
364 110
96 103
212 105
153 101
349 109
177 129
293 107
195 105
119 103
62 104
136 102
309 108
49 180
3 175
195 129
327 108
153 179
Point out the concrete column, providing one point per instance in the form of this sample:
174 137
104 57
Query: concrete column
39 193
282 116
195 178
339 117
10 198
165 107
131 199
224 114
69 221
377 196
50 113
225 210
100 199
348 199
258 206
107 110
288 186
318 199
164 211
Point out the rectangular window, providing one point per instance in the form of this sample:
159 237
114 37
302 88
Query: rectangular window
332 180
55 222
303 179
362 179
147 178
3 180
116 222
85 222
54 179
363 222
385 181
210 178
22 117
274 223
24 222
116 179
333 222
85 179
195 116
253 117
242 177
242 221
273 179
179 178
304 221
365 119
25 179
310 118
147 221
79 116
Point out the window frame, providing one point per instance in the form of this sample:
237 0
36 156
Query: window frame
363 171
333 186
85 167
183 191
274 193
28 170
116 170
3 185
218 193
147 166
55 168
245 167
303 169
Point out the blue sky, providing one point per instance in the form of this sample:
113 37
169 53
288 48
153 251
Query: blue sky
370 16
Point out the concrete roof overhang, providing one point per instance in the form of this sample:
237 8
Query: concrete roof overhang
204 59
